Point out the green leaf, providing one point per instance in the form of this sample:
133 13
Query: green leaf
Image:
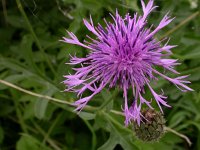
87 116
40 108
16 21
41 104
110 143
177 118
124 135
107 96
28 142
29 109
17 66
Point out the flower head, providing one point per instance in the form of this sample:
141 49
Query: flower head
124 54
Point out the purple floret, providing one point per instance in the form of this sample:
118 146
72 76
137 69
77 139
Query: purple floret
124 54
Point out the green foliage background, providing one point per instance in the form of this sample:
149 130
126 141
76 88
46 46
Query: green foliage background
32 57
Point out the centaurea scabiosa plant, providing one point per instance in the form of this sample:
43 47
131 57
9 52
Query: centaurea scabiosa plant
125 54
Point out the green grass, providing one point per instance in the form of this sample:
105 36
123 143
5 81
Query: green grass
34 112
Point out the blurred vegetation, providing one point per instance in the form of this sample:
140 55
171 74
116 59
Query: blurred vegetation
32 57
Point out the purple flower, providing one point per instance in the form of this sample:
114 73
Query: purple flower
124 54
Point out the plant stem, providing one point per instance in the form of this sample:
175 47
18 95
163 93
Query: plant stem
50 141
94 139
31 129
51 128
90 108
179 134
5 11
34 36
116 122
180 24
34 94
19 116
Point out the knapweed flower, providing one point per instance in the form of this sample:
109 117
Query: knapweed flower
125 54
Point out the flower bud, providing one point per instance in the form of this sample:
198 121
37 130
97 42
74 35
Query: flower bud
152 127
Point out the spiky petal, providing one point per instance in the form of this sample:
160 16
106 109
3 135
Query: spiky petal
123 54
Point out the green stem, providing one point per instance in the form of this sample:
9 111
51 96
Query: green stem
34 35
51 128
90 108
19 116
116 122
179 134
5 11
191 70
50 141
94 138
188 19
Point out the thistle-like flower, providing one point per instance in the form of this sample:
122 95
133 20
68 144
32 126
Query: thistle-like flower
124 54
